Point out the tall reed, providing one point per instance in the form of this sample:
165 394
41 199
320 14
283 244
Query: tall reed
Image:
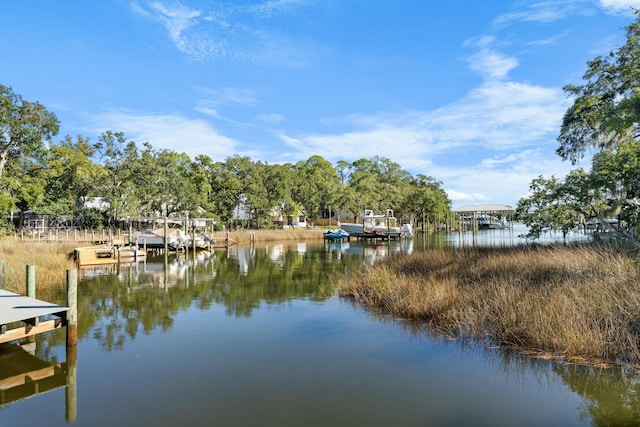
51 261
568 301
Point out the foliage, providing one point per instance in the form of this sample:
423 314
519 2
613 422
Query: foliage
606 108
139 180
24 127
604 116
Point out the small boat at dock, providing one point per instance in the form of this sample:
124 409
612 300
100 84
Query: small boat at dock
338 234
377 226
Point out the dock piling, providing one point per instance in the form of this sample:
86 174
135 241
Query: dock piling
3 271
72 304
31 281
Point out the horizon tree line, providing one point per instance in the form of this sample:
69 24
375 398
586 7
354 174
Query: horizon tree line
50 178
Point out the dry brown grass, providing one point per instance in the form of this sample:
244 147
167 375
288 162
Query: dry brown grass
569 301
49 258
245 236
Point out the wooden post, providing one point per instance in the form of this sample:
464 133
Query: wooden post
31 281
2 273
72 303
166 236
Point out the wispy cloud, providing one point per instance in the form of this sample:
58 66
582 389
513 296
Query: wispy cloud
492 65
231 95
231 32
620 7
543 11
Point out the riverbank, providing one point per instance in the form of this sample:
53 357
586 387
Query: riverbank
580 303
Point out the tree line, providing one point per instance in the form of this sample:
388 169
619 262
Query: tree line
50 177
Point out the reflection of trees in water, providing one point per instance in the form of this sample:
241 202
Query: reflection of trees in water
611 397
118 306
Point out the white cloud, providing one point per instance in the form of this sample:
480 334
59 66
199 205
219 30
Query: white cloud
491 64
500 179
515 124
163 131
620 7
226 31
543 11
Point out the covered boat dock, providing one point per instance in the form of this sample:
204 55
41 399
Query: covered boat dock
485 217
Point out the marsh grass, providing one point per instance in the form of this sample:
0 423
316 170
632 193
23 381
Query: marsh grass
50 259
575 302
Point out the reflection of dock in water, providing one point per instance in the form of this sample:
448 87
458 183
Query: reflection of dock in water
159 272
370 251
23 375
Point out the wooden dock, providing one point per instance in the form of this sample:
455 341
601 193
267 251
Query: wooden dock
108 254
16 308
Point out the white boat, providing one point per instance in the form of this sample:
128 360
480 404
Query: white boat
176 238
371 222
487 222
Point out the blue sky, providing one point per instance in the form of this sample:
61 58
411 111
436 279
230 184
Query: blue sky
469 92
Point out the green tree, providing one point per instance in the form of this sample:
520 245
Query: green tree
426 197
606 107
119 158
317 186
70 174
559 205
616 173
605 116
24 127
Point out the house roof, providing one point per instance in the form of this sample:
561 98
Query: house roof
485 208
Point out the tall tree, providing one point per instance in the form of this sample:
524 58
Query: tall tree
70 175
317 185
119 157
426 197
24 127
606 107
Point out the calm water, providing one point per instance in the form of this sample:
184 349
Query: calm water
255 336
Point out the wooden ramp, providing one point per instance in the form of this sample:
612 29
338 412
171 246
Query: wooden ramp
18 308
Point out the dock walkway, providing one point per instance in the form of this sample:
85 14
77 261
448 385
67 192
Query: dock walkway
18 308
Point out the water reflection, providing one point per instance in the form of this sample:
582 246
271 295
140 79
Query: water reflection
24 374
255 336
610 396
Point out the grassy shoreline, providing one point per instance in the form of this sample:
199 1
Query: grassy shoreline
579 303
